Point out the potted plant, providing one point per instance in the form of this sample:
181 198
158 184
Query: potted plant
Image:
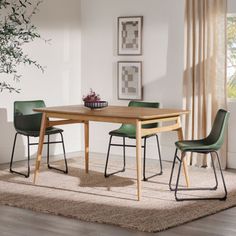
93 100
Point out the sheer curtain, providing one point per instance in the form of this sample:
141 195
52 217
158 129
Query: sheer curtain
204 82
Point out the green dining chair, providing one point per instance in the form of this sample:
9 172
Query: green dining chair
27 123
129 131
211 144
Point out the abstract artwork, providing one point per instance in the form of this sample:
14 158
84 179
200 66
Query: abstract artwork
129 80
130 35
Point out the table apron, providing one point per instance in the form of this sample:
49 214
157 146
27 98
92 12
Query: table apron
73 118
170 127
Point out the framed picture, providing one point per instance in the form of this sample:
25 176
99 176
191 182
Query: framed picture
130 35
129 80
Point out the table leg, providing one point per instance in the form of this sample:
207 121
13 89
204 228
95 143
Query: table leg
86 145
40 146
138 158
180 137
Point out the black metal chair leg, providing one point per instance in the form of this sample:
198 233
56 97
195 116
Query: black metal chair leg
48 151
223 180
214 169
12 153
28 144
64 153
159 154
177 181
190 189
12 156
123 154
108 154
144 160
172 171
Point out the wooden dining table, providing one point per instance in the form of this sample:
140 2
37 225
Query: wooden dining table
168 119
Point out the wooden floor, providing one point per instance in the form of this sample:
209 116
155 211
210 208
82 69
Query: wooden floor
20 222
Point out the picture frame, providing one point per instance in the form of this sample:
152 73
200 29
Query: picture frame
129 77
130 35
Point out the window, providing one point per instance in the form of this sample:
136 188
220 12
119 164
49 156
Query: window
231 56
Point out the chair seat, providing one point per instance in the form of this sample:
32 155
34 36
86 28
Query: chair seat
200 145
32 133
127 131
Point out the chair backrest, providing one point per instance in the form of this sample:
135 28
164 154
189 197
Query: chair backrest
25 119
145 104
142 104
216 136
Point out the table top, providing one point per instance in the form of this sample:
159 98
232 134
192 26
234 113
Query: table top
141 113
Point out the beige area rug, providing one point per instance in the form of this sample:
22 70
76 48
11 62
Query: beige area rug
91 197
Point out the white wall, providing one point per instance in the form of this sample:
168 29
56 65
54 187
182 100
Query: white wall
231 6
232 108
231 162
66 57
163 34
58 20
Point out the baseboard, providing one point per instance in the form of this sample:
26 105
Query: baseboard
231 161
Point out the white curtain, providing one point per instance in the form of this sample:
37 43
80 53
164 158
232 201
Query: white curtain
204 82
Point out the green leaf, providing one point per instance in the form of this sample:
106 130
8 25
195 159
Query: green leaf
16 30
